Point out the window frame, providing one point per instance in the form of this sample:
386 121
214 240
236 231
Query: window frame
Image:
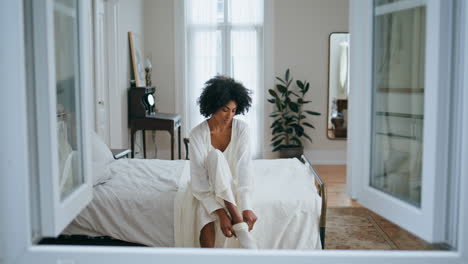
16 245
55 218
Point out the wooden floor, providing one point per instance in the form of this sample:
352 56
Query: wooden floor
334 177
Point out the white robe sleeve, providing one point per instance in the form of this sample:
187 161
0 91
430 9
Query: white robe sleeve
244 170
199 183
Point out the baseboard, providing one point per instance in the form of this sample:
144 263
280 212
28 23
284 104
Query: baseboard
327 157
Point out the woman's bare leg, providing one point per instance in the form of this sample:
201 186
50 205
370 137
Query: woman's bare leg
207 236
236 215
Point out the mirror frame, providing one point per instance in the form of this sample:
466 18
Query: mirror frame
328 88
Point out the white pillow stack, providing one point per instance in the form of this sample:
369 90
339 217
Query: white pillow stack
102 157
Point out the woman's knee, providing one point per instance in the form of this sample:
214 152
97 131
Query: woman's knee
214 155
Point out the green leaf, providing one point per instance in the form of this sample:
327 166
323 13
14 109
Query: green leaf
279 105
276 143
274 115
278 148
289 130
272 100
290 121
299 130
307 136
277 136
286 76
281 80
312 113
278 129
281 88
272 92
302 117
306 102
276 123
300 84
294 107
291 92
309 125
295 139
306 88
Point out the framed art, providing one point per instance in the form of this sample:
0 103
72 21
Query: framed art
137 59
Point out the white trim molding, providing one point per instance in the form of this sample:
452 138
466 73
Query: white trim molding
112 41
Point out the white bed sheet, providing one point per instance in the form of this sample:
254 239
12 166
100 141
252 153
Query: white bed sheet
136 204
285 201
139 204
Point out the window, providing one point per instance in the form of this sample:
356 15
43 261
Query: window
224 37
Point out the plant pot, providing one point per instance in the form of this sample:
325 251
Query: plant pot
291 152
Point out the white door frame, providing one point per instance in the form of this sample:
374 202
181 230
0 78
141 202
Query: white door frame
113 67
101 79
428 221
15 227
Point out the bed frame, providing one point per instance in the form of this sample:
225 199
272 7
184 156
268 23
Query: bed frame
319 184
322 192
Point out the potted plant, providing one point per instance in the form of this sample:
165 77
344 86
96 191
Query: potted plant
289 116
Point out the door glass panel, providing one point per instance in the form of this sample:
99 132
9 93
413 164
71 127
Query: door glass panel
68 96
398 103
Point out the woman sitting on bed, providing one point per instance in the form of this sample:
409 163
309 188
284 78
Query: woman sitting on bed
220 166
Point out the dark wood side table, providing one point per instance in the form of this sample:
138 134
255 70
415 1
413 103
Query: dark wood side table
155 121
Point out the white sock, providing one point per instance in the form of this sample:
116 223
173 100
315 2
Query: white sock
245 238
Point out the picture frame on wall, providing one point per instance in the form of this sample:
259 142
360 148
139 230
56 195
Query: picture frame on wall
137 59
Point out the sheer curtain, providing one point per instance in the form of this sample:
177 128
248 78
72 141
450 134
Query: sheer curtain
225 37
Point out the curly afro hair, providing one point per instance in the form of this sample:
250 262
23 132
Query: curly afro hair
218 91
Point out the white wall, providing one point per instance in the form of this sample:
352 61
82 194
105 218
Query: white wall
301 30
130 18
159 46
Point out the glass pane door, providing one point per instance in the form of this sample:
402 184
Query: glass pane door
62 68
403 126
68 96
398 103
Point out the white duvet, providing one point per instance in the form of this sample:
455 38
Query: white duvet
137 204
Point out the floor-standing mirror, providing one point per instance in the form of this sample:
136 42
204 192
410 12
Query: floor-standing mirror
338 88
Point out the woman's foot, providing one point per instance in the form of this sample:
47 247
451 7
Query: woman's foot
245 238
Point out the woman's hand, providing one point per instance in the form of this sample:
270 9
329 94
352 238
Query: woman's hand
225 223
250 218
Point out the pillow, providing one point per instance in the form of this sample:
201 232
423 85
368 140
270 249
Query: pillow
101 156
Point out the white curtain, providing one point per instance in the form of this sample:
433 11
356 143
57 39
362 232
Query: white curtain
225 37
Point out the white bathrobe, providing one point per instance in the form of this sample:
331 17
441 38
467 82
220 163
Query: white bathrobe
201 198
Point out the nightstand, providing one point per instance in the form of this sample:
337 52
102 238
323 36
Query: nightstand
120 153
156 121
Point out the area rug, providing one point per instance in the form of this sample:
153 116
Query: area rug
360 228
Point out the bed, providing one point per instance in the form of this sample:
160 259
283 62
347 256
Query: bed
138 203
